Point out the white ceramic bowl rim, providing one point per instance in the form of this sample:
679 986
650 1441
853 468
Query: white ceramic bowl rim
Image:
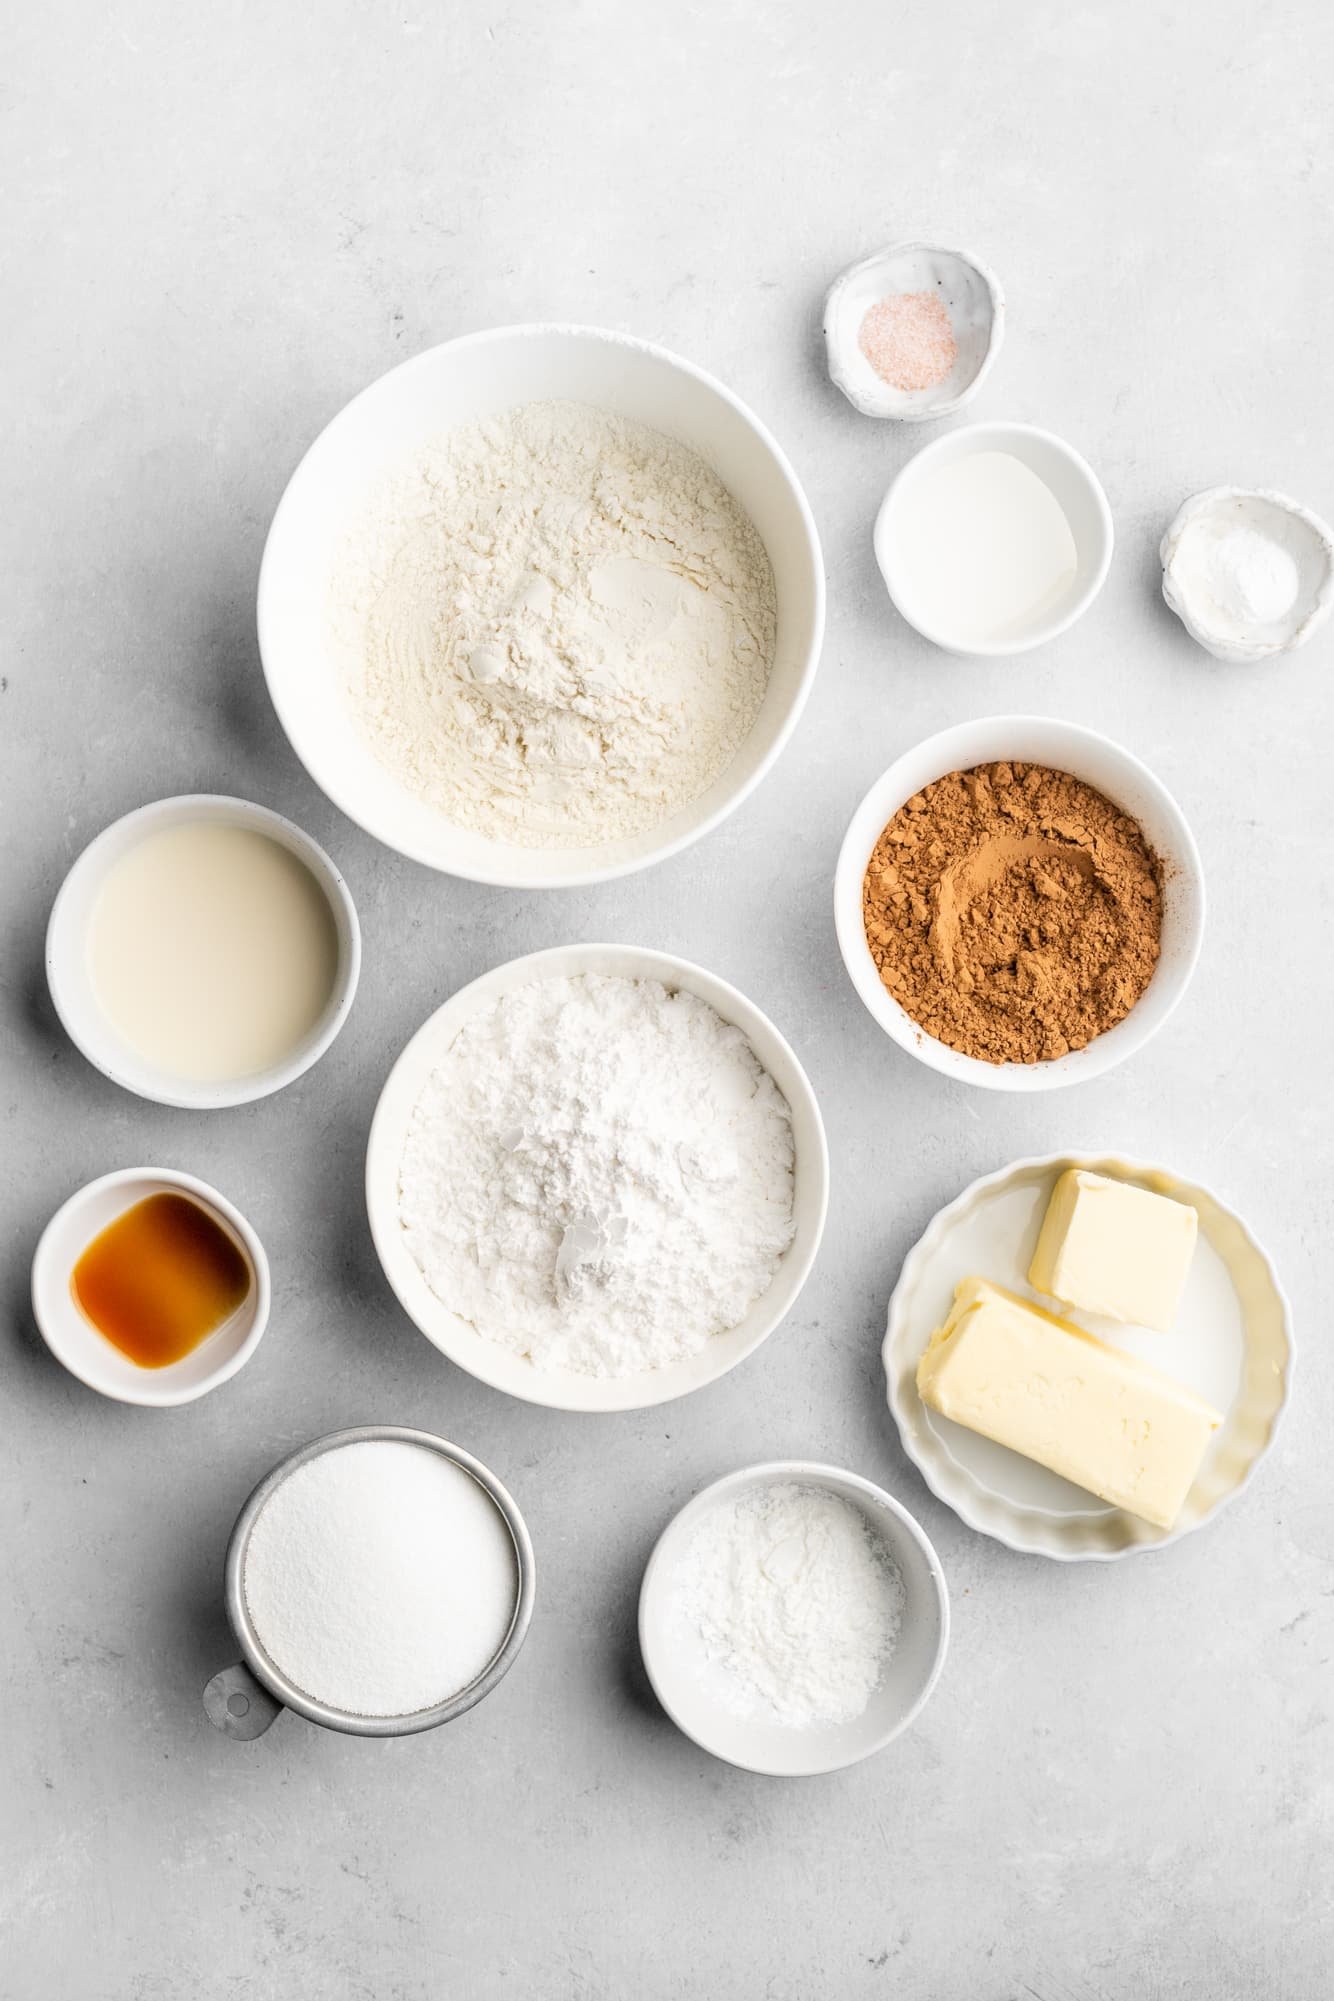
957 444
803 1472
105 1050
512 871
1063 747
487 1360
953 1493
117 1378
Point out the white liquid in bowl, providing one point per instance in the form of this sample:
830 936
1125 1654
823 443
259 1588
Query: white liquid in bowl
983 548
212 950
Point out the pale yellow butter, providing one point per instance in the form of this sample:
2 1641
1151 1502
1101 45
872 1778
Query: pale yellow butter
1085 1410
1108 1247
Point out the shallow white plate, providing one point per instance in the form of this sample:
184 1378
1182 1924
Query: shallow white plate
564 1389
678 1672
1232 1343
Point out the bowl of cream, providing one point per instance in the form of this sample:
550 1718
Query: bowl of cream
994 539
203 951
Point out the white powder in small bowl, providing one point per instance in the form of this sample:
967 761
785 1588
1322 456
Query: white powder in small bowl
380 1578
792 1604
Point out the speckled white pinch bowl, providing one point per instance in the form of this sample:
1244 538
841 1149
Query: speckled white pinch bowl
974 303
1111 770
477 376
566 1389
1301 534
679 1674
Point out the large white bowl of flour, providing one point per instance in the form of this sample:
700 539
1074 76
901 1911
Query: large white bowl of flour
468 1173
541 606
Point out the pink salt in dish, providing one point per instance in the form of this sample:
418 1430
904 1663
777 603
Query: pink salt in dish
911 331
908 340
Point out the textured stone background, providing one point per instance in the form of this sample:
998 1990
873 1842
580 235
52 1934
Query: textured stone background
222 221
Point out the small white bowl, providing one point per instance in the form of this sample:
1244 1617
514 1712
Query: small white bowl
1069 478
70 981
1299 534
772 1748
1112 771
971 296
566 1389
478 376
76 1343
1232 1344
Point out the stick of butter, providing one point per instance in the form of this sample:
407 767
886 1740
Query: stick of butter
1109 1247
1045 1388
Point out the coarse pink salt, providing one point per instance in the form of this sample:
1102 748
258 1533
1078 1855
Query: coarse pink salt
908 340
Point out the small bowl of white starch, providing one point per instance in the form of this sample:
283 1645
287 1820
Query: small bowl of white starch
379 1582
793 1619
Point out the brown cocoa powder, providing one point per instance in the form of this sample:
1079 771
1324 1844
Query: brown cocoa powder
1013 912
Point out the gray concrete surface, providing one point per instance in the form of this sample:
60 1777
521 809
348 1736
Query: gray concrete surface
221 222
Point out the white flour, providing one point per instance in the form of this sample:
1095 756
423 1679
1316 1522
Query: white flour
381 1578
556 627
599 1175
794 1603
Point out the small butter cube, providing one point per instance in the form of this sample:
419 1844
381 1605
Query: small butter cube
1107 1247
1104 1419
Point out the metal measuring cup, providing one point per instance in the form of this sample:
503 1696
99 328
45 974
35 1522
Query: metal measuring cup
243 1700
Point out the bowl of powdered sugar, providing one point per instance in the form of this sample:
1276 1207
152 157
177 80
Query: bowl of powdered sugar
597 1177
793 1619
541 606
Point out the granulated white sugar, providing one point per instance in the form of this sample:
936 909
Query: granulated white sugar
381 1578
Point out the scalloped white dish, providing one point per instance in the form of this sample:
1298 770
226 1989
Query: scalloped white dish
1232 1343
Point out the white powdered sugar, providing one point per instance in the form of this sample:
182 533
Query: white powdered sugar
381 1578
599 1175
792 1603
556 626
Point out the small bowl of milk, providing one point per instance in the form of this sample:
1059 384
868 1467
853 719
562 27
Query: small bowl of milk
994 539
203 952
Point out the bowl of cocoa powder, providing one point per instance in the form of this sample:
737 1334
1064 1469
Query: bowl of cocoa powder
1019 903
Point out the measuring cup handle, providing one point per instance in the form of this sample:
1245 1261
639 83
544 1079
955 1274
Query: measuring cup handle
238 1705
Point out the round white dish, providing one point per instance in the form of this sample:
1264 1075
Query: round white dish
1069 477
76 1343
70 981
457 383
971 296
773 1748
1302 535
1232 1343
1114 772
561 1389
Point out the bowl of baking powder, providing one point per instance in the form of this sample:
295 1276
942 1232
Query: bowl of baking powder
793 1619
541 606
